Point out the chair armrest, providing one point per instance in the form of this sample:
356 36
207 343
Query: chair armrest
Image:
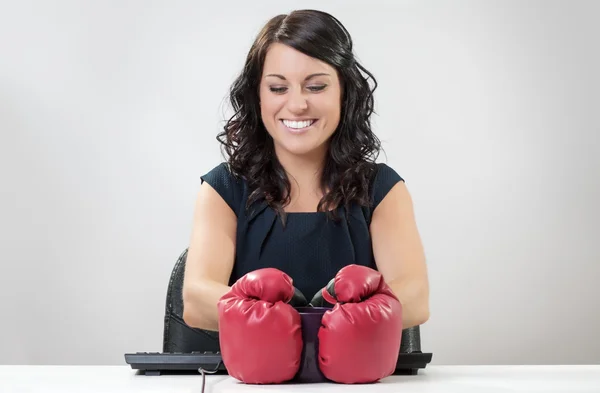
411 340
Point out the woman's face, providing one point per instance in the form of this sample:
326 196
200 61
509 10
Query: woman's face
300 100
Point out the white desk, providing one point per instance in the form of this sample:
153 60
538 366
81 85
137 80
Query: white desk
442 379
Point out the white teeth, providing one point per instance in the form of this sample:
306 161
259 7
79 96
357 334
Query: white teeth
298 124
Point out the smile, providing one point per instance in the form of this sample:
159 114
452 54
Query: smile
298 126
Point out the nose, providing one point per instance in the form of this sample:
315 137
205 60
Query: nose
297 102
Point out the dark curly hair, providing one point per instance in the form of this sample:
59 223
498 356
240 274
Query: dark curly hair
353 149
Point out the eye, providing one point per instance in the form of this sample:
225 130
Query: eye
317 88
277 89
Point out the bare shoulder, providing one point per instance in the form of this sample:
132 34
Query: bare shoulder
210 203
397 202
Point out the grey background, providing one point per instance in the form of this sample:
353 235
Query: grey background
489 109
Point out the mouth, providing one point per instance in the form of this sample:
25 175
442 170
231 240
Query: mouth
298 127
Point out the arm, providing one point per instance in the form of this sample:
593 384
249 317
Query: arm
399 254
210 259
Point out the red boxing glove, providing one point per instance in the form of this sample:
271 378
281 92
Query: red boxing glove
359 339
260 333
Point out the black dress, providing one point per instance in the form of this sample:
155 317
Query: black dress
311 248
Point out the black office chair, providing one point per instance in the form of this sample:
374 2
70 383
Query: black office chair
179 337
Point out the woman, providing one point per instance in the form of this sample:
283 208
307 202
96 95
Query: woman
300 190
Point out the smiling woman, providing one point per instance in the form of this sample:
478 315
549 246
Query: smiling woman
300 96
301 194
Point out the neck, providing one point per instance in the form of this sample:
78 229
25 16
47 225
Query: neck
304 171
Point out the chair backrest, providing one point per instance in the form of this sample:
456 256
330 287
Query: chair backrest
179 337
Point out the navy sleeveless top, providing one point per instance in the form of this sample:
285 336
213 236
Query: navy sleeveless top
311 248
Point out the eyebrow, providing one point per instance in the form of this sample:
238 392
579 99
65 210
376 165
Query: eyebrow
307 78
